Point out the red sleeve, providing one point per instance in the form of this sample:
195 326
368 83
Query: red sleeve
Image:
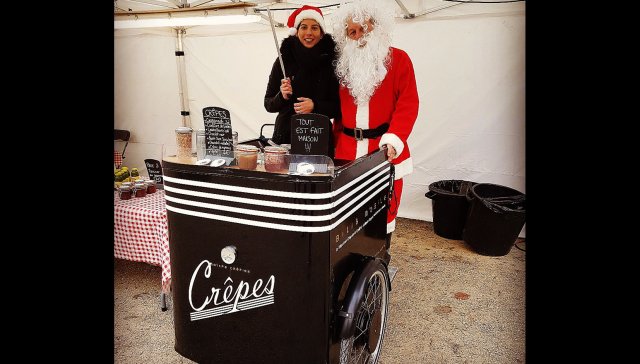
406 94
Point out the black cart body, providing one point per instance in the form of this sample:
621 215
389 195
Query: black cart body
290 245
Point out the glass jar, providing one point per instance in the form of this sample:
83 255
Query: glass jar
247 156
125 192
201 144
234 137
151 186
275 159
183 141
140 189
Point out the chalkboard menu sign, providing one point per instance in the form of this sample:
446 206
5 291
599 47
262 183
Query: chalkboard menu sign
155 170
311 135
217 130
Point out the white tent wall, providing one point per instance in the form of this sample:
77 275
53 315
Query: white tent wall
470 69
469 62
231 71
145 92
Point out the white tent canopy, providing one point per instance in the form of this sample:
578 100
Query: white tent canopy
469 61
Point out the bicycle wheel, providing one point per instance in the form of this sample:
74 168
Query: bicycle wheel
370 321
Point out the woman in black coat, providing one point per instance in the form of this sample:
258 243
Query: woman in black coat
311 85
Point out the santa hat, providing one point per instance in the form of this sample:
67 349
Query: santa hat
305 12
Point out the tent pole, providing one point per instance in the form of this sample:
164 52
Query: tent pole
182 78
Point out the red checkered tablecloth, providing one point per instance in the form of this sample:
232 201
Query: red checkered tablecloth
140 232
117 159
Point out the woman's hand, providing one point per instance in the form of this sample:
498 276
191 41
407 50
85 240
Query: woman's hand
305 105
285 88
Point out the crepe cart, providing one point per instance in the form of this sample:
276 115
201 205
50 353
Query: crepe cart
286 267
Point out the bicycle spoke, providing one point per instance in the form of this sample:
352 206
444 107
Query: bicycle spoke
372 311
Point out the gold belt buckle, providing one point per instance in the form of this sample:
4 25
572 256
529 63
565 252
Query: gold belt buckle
355 134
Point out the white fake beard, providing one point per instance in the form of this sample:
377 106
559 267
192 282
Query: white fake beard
362 69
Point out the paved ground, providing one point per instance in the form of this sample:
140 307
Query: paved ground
448 305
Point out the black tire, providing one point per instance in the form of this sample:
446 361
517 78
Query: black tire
370 321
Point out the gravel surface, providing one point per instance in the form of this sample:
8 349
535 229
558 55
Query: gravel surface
448 304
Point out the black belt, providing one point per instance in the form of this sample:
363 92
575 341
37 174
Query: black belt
360 134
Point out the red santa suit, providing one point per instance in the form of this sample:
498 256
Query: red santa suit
395 101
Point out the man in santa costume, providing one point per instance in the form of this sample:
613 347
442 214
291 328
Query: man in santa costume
378 93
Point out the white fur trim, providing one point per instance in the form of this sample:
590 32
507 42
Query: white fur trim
293 31
309 14
362 122
362 116
391 226
390 138
403 168
362 148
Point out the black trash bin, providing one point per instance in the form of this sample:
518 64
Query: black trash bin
496 217
449 206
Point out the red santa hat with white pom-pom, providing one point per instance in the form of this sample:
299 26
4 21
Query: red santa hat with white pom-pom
305 12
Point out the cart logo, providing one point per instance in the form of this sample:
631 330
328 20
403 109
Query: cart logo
229 299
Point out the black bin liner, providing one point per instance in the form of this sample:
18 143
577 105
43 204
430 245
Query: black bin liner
496 217
449 206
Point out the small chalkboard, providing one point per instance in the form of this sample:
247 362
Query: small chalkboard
311 135
155 170
217 130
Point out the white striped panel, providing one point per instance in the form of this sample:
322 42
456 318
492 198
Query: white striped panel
260 191
276 215
309 229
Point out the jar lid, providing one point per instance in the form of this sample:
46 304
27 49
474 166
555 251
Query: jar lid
246 148
125 188
275 149
184 130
